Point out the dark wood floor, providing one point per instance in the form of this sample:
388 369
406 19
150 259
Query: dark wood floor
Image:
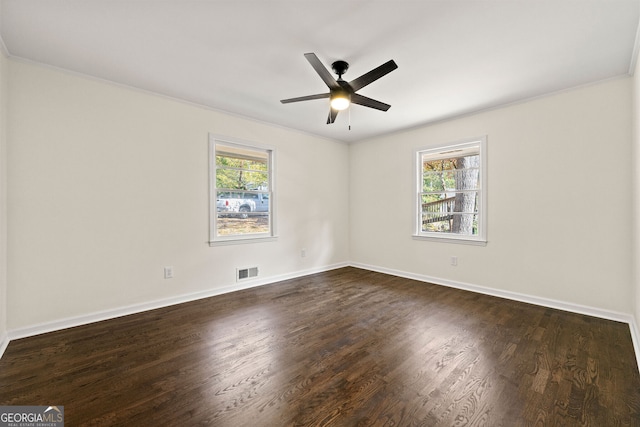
343 348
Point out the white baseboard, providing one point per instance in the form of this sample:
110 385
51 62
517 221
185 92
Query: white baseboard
635 337
530 299
71 322
4 342
152 305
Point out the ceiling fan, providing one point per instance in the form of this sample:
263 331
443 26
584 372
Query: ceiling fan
342 93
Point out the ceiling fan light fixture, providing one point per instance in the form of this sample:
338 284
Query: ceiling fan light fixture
340 101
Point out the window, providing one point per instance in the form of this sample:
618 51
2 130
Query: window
451 192
241 195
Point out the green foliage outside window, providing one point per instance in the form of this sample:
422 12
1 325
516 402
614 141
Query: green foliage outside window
237 173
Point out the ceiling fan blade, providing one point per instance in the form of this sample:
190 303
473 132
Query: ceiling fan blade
322 71
333 113
306 98
373 75
368 102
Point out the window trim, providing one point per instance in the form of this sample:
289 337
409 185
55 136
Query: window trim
481 238
214 239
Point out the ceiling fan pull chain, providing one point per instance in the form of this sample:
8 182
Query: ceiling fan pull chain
349 117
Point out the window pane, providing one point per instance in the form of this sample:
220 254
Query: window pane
432 181
247 158
459 201
241 212
450 193
468 178
456 223
242 190
230 225
437 202
223 160
435 224
450 174
241 179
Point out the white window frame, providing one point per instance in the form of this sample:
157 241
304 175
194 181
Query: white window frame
481 237
214 238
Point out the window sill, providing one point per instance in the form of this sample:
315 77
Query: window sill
242 240
451 239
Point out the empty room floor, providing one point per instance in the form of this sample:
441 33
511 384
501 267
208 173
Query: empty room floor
347 347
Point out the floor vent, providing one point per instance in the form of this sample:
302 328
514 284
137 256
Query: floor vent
246 273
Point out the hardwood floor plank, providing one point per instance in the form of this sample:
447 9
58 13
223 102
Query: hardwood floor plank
347 347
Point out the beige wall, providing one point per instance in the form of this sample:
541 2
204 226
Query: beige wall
559 209
635 160
107 185
3 199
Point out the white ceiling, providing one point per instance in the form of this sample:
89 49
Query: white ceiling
241 56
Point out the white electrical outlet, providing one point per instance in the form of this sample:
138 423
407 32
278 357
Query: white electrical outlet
168 272
303 253
454 261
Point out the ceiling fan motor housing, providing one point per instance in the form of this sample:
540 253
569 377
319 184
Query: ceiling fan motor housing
340 67
344 91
